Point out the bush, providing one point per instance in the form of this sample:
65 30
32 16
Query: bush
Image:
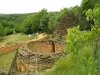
80 60
8 31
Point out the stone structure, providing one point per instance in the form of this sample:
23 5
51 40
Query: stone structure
38 54
10 48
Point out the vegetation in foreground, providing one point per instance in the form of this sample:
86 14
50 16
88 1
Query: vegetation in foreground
82 48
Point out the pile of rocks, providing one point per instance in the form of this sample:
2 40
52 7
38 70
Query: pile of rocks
42 58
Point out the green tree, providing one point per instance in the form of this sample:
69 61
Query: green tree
52 23
88 4
44 23
1 29
8 31
18 27
26 27
85 5
93 16
32 22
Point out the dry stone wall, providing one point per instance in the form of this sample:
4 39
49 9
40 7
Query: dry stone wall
38 53
42 59
10 48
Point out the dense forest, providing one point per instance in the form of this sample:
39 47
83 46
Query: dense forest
82 36
44 21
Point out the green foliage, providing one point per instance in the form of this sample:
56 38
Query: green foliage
75 38
6 28
84 24
26 27
7 31
85 5
81 44
96 12
80 60
64 66
32 22
11 22
93 16
44 23
88 4
18 28
1 29
90 15
52 23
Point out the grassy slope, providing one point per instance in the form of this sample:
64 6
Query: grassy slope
13 38
5 60
22 37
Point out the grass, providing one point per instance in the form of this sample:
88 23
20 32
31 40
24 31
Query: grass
6 60
10 39
64 66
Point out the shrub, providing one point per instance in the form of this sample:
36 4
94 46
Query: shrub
80 60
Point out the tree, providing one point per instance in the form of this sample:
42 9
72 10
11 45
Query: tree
93 16
67 21
17 27
8 31
26 27
1 29
44 23
32 22
88 4
85 5
52 23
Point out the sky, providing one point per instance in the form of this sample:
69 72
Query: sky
29 6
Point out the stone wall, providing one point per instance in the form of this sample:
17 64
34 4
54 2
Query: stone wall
10 48
28 62
38 54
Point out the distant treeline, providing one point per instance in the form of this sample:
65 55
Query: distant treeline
44 21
